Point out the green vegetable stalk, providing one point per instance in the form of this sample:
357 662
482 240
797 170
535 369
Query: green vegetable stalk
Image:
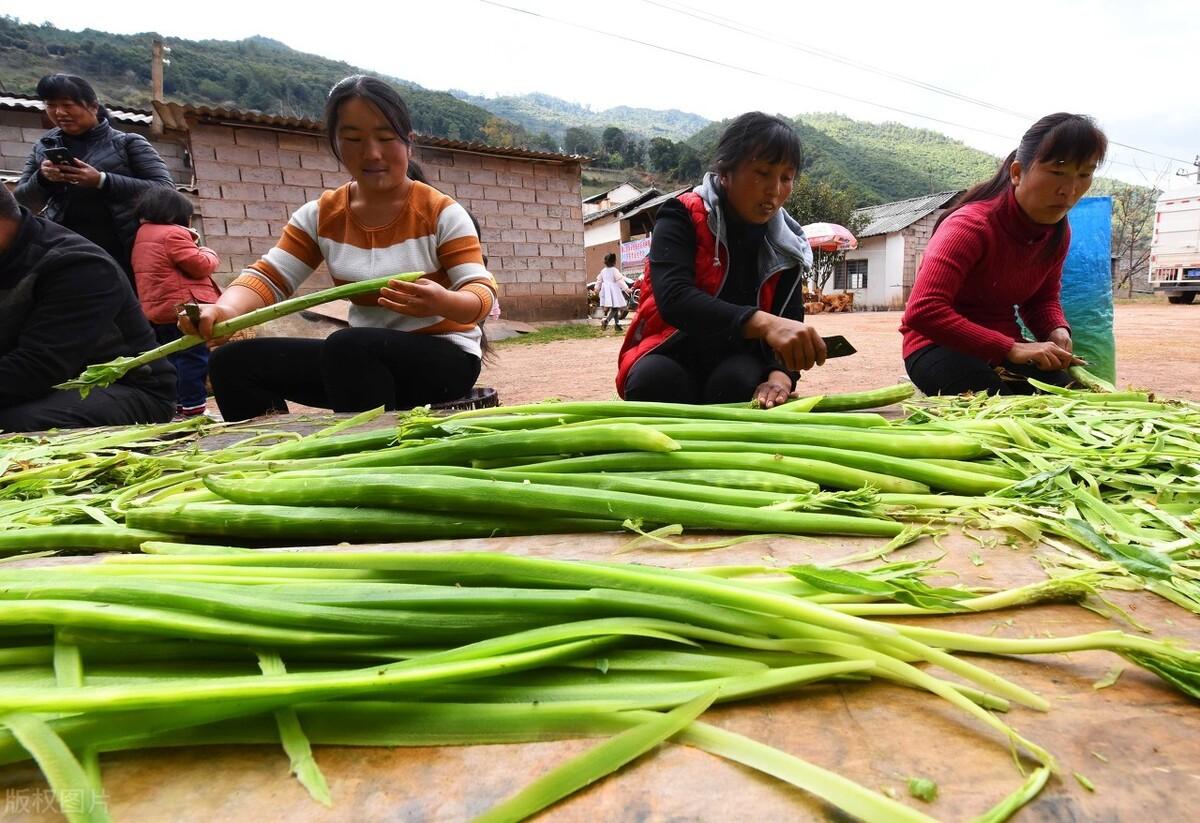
105 374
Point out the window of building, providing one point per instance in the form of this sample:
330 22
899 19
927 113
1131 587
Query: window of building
850 275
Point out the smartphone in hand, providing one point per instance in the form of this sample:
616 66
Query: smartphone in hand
60 155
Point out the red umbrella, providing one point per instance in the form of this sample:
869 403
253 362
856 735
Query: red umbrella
830 237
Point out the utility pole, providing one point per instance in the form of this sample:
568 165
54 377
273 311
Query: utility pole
1186 173
158 59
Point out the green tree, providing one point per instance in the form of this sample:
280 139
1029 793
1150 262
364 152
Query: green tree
580 141
613 141
543 141
690 167
663 155
814 201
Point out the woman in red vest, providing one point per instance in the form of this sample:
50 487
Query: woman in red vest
1002 246
722 318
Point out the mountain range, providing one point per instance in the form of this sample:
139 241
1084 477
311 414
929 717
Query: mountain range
873 162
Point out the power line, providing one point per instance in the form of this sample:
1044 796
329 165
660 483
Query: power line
735 25
743 69
816 51
809 87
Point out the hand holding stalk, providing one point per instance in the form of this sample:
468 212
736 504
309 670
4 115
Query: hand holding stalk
105 374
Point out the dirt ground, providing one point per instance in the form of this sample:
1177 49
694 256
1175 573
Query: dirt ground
1153 352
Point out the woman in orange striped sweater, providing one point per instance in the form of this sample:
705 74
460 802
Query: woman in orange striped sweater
410 344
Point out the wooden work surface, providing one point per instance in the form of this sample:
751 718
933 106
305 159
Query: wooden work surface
875 733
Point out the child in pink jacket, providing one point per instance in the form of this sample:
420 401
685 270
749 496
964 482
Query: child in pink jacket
171 268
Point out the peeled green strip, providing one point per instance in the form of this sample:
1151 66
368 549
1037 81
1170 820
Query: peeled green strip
112 617
628 408
461 449
182 599
441 493
295 744
694 456
93 538
596 763
76 797
329 524
655 695
663 487
873 399
877 441
834 789
690 487
290 688
921 471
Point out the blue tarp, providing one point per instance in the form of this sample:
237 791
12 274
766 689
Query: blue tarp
1087 285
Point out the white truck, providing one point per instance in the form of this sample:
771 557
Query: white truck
1175 245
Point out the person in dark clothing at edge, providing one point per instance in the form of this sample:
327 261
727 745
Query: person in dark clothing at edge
65 304
95 194
1002 246
722 319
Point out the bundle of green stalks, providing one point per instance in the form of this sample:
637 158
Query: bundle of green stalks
1109 481
416 649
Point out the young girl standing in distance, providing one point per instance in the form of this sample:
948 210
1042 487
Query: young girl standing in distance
612 289
1003 246
171 268
408 345
723 321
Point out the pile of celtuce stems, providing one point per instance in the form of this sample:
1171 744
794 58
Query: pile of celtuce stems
391 648
1116 474
1111 482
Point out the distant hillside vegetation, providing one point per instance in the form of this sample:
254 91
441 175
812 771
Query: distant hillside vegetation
257 73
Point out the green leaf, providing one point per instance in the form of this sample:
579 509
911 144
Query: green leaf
596 763
72 788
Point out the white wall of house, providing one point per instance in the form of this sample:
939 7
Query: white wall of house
885 272
621 194
891 286
607 231
874 251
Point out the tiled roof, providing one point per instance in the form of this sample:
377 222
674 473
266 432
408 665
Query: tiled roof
891 217
175 116
23 102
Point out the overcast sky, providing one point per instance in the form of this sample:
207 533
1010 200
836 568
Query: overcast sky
1133 66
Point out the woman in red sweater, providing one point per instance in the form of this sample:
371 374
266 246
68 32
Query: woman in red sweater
1002 247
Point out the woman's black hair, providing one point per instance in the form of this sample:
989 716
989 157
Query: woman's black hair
757 136
165 206
70 87
385 99
1061 138
610 259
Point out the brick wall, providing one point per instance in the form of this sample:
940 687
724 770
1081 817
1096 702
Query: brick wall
916 238
530 213
20 129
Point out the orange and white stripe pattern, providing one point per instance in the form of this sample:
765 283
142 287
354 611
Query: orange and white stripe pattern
432 234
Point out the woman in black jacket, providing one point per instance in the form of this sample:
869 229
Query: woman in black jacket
93 193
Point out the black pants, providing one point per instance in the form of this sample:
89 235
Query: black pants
939 370
352 370
612 313
117 405
665 379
